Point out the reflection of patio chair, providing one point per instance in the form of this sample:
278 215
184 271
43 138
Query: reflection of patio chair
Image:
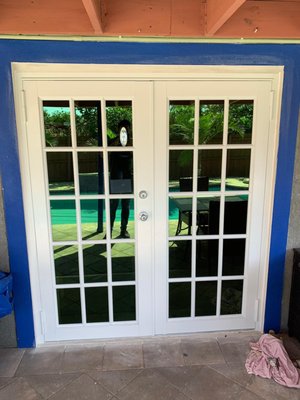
235 222
186 185
235 218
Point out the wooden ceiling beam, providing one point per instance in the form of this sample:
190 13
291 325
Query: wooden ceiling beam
93 10
264 19
218 12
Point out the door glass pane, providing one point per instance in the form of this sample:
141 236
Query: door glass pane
122 218
235 218
206 298
119 123
123 262
96 304
95 263
124 303
91 174
240 121
207 255
60 173
181 122
233 256
209 169
66 264
121 172
180 259
180 166
179 299
232 296
63 220
180 216
211 122
208 215
69 306
93 219
88 123
57 123
238 168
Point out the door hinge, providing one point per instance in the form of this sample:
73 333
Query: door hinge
24 104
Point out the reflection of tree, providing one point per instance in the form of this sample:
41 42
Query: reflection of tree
211 124
88 124
57 128
211 120
181 121
113 117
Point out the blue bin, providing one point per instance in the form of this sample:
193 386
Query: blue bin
6 294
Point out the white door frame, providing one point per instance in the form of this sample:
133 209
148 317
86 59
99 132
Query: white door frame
23 72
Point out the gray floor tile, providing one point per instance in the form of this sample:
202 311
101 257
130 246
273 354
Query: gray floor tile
143 370
163 354
41 361
81 358
150 385
238 337
201 352
202 383
235 352
47 385
5 381
292 346
83 388
122 356
19 389
114 380
236 372
9 361
265 388
247 395
270 390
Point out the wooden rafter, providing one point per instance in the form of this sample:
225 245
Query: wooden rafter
218 12
93 10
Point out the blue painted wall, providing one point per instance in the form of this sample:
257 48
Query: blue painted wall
143 53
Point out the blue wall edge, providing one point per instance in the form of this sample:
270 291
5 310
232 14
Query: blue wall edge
144 53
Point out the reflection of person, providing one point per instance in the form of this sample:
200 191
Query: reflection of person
120 170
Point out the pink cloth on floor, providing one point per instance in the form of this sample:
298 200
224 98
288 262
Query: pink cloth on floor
269 359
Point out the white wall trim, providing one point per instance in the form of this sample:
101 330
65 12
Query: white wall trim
46 72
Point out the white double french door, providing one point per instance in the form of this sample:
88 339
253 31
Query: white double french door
147 204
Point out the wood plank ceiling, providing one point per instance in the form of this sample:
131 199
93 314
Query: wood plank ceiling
259 19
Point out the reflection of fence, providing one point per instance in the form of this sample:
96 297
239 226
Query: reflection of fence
238 164
60 166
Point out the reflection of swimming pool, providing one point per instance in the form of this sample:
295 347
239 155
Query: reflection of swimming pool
63 211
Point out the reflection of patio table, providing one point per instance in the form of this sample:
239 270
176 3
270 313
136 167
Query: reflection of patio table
184 206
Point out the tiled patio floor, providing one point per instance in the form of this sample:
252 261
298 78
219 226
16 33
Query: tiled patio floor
188 367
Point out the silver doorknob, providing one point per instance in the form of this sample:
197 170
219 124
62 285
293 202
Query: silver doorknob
143 216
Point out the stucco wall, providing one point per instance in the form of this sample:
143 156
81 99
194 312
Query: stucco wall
293 235
7 324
